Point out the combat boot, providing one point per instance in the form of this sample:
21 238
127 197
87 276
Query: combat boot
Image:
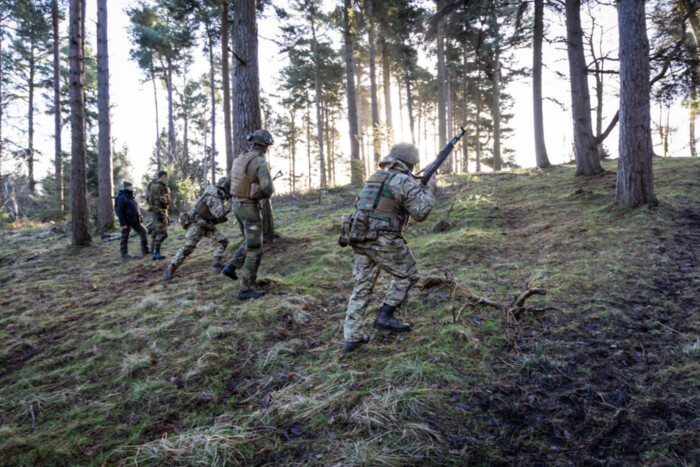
169 273
126 256
156 254
144 249
352 346
229 271
243 295
386 321
217 265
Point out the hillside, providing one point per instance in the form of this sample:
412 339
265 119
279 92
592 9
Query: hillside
101 361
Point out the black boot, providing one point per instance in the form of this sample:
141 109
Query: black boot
156 254
386 321
229 271
242 295
352 346
126 255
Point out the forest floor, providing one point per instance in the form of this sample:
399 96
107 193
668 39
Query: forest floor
101 361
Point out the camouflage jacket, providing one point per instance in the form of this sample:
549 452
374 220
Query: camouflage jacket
216 205
407 191
158 196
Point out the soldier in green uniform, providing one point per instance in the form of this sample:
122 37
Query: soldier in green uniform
209 210
158 197
250 182
375 232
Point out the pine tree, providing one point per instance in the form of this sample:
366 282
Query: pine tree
105 206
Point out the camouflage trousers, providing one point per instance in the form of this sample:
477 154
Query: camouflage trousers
159 227
388 253
248 256
124 240
195 233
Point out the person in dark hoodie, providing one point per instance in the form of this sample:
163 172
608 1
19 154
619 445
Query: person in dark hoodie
127 210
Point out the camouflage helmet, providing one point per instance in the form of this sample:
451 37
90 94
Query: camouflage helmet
261 137
222 182
406 153
127 186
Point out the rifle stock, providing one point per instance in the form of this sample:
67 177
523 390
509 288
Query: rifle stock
441 157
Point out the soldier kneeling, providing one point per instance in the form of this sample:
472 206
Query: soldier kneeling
375 232
210 209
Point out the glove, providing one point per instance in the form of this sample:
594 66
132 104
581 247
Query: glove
432 183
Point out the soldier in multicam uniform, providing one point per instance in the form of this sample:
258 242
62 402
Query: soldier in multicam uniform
375 232
250 182
209 210
158 198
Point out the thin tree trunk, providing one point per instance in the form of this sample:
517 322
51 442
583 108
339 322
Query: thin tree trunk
205 155
541 157
693 109
226 85
356 166
376 140
478 120
104 159
317 98
308 138
450 163
465 112
234 66
293 169
585 144
360 130
155 99
185 121
30 120
635 185
79 207
386 77
409 97
171 118
442 96
212 95
496 108
58 154
2 99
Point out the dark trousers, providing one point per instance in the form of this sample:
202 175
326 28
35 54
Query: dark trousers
124 241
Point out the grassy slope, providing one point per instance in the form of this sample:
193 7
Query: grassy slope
101 361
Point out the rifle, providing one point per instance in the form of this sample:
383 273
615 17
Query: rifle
441 157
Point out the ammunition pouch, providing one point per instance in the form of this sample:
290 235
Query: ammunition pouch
356 228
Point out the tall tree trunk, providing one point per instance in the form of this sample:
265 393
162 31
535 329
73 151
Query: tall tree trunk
293 168
78 186
225 77
247 107
386 77
205 155
694 80
104 159
376 136
635 185
212 95
58 154
155 99
234 141
541 157
449 163
317 98
308 139
465 113
360 131
2 99
186 108
171 118
409 97
496 108
585 145
478 121
442 93
356 166
30 120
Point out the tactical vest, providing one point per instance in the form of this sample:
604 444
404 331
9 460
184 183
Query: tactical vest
376 200
202 207
240 181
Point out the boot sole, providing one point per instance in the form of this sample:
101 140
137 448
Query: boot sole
387 328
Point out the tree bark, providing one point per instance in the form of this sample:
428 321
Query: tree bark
409 97
104 159
30 121
58 154
247 94
376 140
212 95
541 157
465 112
356 166
386 77
442 97
585 145
693 105
155 99
634 176
79 207
225 78
450 162
2 98
171 117
496 108
317 99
